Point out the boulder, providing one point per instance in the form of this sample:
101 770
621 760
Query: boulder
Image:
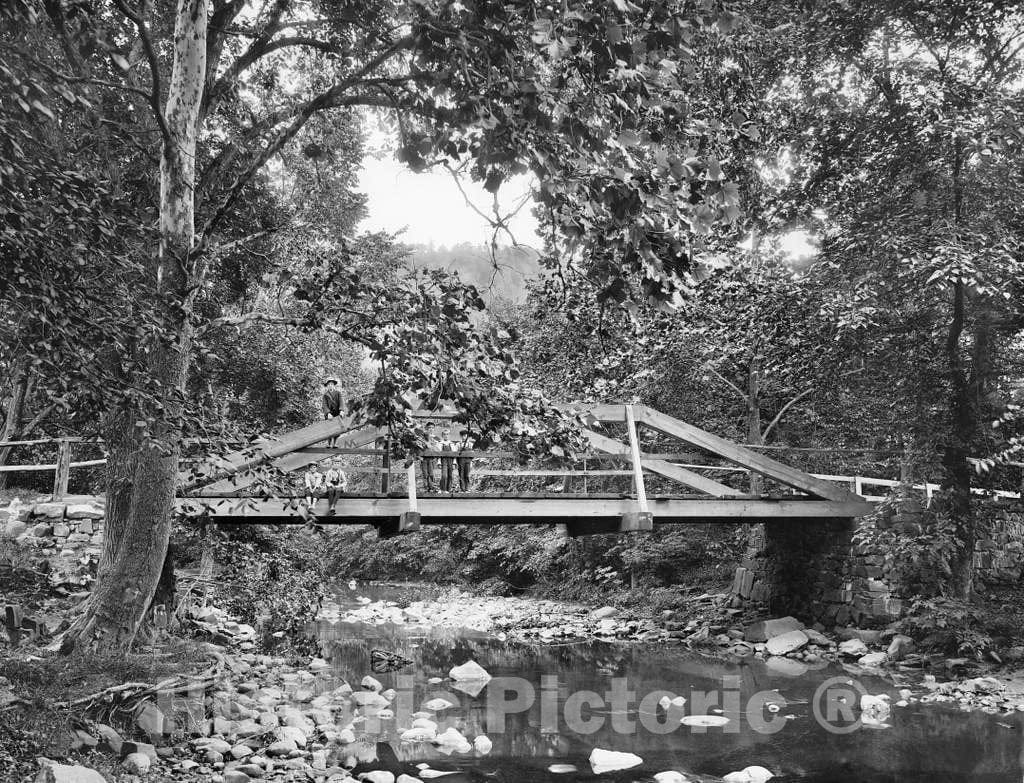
853 648
293 733
604 612
42 530
786 642
868 636
212 743
369 699
140 747
763 630
137 763
109 740
900 647
282 747
151 720
14 528
67 773
872 659
236 776
371 684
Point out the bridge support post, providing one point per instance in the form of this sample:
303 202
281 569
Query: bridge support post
407 522
636 522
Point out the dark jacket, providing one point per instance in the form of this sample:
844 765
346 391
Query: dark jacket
332 402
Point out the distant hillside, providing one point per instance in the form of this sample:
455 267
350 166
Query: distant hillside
506 281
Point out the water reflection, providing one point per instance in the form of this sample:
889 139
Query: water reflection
545 682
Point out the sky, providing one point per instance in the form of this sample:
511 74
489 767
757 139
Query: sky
432 210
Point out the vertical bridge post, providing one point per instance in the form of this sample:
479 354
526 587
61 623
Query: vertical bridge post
410 520
642 519
61 475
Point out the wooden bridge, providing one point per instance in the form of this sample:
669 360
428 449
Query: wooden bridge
237 487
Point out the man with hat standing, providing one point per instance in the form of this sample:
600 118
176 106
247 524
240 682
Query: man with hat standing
331 405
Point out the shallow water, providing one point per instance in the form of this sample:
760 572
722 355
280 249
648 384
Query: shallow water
805 737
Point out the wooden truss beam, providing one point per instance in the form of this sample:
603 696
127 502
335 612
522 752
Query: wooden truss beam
738 455
662 468
519 510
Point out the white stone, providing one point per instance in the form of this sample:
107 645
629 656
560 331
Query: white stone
418 734
378 776
749 775
282 747
853 648
64 773
671 776
438 704
470 670
452 738
212 743
408 779
483 745
873 659
786 642
371 684
137 763
602 761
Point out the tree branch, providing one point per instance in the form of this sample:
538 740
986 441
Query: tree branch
154 67
730 384
782 412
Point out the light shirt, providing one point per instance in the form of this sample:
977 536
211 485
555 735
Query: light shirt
314 479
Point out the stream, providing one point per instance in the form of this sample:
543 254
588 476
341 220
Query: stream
550 705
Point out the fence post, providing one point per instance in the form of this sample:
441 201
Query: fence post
60 477
385 476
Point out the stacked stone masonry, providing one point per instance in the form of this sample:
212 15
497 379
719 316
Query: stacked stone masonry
837 573
68 534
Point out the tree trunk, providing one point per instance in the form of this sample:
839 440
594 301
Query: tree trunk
754 416
963 413
13 415
957 477
144 472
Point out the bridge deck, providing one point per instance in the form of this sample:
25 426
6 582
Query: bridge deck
508 508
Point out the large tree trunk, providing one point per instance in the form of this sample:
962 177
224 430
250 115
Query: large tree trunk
957 479
143 473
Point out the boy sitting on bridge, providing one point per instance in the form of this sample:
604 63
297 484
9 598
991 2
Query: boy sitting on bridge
336 482
314 481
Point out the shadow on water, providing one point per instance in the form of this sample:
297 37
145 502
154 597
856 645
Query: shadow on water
553 704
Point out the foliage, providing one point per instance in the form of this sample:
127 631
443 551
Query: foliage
503 558
947 622
272 578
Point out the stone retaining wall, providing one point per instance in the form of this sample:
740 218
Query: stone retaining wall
69 535
843 572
